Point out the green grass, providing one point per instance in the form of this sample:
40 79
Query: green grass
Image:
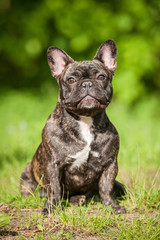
4 221
23 116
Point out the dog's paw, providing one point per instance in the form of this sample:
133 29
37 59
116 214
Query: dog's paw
45 211
50 207
77 200
119 209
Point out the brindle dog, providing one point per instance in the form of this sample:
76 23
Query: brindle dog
79 148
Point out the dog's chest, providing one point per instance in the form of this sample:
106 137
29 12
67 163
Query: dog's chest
81 157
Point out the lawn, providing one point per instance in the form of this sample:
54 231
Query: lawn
23 115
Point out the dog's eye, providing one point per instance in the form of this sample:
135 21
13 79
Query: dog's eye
101 77
71 80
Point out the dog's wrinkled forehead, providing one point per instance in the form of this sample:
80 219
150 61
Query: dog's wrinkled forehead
61 63
84 69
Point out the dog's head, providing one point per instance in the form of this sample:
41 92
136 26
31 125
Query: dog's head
85 86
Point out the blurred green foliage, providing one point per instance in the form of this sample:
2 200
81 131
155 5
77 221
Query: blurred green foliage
28 28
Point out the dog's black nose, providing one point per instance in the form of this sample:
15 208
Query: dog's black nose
87 85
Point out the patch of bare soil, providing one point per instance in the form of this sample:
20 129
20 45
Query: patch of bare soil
24 226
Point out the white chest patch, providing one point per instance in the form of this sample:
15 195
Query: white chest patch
95 154
82 156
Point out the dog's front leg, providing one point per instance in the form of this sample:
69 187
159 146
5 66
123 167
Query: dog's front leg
54 189
106 184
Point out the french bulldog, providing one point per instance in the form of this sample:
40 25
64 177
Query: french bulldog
78 153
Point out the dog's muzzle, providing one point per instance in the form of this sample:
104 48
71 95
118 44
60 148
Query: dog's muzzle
88 102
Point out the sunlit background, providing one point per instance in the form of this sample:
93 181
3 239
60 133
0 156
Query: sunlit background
28 92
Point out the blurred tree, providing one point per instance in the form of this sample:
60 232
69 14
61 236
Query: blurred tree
28 28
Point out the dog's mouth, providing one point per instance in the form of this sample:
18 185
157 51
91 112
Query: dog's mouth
87 103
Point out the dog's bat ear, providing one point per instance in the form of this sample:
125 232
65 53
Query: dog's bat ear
57 60
107 54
